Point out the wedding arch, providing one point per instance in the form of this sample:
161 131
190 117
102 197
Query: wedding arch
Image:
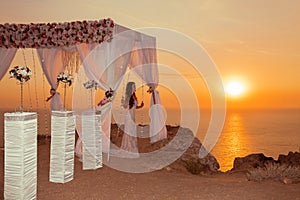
60 45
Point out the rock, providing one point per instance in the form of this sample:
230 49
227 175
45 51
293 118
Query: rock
190 158
211 162
251 161
180 141
292 159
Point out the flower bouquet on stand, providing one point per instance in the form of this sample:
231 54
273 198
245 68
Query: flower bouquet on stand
62 138
92 132
92 84
22 74
20 142
67 79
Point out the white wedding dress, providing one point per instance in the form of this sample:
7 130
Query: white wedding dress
129 140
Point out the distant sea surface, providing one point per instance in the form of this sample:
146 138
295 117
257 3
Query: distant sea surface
271 132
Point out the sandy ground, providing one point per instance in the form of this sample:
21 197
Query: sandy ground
107 183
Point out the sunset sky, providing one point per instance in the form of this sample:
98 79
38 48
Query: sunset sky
253 42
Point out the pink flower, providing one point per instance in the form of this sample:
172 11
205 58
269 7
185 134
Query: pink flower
55 34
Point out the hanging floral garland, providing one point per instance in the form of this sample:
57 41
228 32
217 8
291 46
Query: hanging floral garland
50 35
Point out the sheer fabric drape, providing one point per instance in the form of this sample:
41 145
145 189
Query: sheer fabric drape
144 61
158 130
6 57
52 64
106 63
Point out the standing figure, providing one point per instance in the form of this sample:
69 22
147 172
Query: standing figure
56 100
129 140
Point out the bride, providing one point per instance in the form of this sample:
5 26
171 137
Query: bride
56 100
129 140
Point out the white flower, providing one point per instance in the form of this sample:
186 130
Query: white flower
91 84
11 74
65 78
21 73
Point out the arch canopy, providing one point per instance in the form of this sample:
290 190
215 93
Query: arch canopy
103 48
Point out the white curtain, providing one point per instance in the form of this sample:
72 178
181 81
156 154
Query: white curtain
52 64
106 63
144 61
6 57
158 130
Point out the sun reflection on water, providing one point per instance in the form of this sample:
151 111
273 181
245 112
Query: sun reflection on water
233 142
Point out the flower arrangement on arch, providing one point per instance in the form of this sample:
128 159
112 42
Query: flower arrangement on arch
21 73
65 78
48 35
91 84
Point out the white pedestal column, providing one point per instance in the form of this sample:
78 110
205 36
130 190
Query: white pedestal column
91 140
20 176
62 146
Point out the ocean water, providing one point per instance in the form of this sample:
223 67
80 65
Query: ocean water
271 132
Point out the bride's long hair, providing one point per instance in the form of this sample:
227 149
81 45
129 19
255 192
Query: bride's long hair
130 96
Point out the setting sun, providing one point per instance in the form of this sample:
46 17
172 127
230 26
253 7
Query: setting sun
234 88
